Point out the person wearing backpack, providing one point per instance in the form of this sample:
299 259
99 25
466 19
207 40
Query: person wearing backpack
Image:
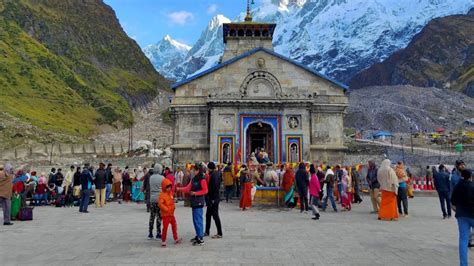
5 195
86 186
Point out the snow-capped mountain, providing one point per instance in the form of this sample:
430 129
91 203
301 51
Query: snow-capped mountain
336 37
166 55
205 53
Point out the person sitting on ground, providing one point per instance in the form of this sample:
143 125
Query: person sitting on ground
41 192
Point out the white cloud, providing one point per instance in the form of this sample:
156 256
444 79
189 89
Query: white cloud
211 9
180 17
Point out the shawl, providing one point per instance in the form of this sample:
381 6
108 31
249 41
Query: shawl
387 178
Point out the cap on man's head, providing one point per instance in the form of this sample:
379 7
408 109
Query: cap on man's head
459 162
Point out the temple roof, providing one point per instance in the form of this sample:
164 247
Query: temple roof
251 52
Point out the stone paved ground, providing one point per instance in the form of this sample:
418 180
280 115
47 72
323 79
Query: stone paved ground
117 235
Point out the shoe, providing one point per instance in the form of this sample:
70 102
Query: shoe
405 215
198 242
150 236
8 223
445 217
470 245
194 239
158 236
85 211
317 216
163 244
335 210
178 241
323 209
373 212
216 237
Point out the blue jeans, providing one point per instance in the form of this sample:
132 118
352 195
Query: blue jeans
228 192
39 198
330 195
108 190
445 197
464 225
199 223
85 195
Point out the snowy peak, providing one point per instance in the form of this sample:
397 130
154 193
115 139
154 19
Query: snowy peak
338 38
166 54
176 44
217 22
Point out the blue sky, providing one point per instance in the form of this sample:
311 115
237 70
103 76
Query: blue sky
147 21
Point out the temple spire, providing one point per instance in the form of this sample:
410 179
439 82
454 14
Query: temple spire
248 17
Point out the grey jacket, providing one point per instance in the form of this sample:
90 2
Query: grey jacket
155 183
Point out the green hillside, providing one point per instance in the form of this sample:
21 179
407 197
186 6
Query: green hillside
67 66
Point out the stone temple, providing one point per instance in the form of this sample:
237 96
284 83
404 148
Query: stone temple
256 98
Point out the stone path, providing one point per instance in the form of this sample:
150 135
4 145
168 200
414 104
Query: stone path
117 235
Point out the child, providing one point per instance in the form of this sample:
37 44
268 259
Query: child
166 205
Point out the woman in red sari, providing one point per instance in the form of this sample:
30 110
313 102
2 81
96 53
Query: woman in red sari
246 198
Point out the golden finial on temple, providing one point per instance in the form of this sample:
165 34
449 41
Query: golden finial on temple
248 17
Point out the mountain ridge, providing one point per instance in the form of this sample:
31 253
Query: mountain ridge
68 69
338 38
441 55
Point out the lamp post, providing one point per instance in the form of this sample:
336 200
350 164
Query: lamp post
411 138
403 150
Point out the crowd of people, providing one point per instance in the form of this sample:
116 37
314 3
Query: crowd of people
304 184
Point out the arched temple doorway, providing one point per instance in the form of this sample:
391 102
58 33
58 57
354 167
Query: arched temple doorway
260 135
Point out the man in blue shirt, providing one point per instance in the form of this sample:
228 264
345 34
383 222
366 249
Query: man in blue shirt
86 186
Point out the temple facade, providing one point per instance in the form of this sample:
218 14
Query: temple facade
257 99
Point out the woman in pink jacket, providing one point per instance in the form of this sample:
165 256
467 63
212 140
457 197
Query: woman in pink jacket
314 190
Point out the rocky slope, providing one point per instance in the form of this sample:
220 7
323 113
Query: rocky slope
336 37
397 108
441 55
67 67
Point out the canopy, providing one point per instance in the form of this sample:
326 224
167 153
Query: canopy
382 134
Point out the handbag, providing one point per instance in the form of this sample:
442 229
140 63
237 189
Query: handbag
25 214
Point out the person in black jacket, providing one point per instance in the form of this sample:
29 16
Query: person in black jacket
86 186
108 181
212 200
463 201
100 178
302 182
442 185
146 186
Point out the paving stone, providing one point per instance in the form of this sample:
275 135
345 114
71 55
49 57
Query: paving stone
117 235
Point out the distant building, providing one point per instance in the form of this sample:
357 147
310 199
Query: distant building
257 99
